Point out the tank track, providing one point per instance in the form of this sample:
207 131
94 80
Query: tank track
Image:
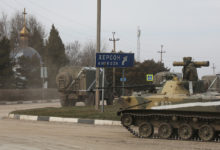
208 117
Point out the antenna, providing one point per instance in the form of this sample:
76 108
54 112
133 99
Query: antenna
213 67
138 44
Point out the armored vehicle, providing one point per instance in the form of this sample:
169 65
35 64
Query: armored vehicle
183 110
77 84
212 82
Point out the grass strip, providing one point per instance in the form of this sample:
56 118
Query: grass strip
87 112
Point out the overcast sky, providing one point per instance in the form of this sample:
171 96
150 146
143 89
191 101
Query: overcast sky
184 27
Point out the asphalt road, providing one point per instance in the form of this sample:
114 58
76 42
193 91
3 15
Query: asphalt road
30 135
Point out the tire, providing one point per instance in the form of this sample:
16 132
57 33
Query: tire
110 99
90 101
72 102
64 100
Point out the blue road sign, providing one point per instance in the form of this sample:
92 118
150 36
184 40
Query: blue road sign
120 60
149 77
123 79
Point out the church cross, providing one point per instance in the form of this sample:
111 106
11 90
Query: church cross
24 13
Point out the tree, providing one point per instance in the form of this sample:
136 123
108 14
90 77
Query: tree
36 40
88 55
4 26
28 72
136 76
6 73
73 53
56 56
36 31
79 55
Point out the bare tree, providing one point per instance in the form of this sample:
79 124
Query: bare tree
4 25
33 24
73 51
16 24
82 56
88 54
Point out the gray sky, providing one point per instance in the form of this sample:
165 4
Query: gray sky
184 27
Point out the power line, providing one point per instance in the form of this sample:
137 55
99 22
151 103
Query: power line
9 6
59 14
58 24
62 16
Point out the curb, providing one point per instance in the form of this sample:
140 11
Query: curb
65 120
28 102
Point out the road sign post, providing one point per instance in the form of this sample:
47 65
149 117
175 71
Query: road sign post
117 60
123 82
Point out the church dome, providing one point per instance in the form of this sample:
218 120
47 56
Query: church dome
24 31
28 52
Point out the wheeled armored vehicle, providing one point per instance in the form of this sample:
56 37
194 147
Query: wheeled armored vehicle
77 84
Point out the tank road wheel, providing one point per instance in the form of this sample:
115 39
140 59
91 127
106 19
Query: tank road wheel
165 130
126 120
185 131
206 132
146 130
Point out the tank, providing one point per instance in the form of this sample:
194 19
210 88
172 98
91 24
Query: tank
77 84
182 110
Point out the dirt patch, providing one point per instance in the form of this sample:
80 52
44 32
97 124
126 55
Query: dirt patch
27 94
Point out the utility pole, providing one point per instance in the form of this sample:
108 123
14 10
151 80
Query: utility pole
213 67
114 51
97 51
161 54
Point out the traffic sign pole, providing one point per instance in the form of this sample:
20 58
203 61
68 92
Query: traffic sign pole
123 82
103 84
